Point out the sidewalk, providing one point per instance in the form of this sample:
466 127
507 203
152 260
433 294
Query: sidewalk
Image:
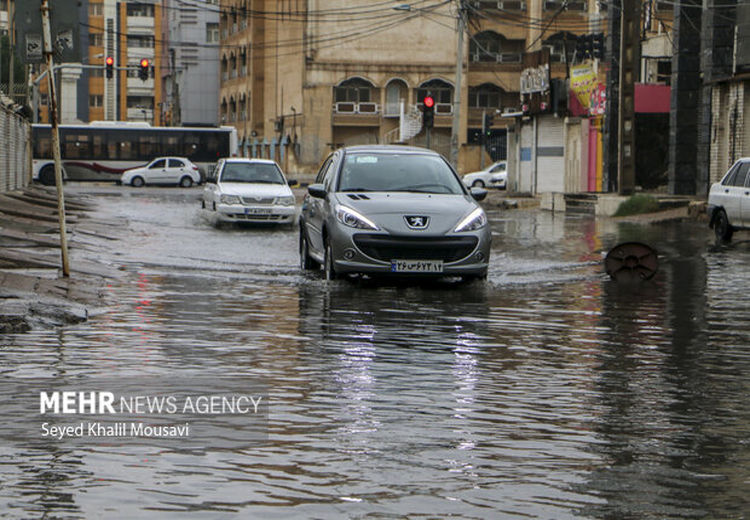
33 292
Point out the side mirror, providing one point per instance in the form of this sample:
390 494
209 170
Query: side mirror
291 182
317 190
479 194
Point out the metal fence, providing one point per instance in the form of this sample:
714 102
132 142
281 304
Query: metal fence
15 150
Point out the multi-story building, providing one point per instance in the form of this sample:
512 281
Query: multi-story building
320 75
129 32
191 62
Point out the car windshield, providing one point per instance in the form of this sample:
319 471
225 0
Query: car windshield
409 172
262 173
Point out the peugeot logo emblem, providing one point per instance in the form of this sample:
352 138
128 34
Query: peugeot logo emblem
417 222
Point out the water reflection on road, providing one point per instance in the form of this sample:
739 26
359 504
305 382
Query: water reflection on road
547 392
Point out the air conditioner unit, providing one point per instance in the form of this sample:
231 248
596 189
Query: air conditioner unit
368 108
346 108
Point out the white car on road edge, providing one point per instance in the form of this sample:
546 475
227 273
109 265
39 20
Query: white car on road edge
494 176
163 170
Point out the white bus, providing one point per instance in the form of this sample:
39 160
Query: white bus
103 150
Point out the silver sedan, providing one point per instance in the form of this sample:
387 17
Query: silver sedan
393 210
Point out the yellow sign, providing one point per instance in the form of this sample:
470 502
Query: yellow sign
583 82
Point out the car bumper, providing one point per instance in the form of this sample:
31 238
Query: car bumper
237 213
461 254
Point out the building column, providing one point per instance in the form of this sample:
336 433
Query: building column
69 77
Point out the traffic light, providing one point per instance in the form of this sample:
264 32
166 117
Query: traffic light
428 111
597 44
143 71
583 47
110 65
487 124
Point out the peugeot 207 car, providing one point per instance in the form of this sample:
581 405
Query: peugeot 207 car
248 190
729 201
163 170
393 209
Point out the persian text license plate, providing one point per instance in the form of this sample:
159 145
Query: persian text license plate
257 211
416 266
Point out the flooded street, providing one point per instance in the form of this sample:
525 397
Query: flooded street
547 391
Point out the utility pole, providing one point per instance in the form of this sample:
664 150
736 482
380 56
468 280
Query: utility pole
456 128
55 136
630 60
11 39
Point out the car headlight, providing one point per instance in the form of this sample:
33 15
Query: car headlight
351 218
230 199
285 201
473 221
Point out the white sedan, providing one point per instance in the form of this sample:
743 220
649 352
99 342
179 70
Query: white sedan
249 190
729 201
494 176
164 170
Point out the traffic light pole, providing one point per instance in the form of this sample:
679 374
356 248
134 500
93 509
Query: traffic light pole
456 127
483 139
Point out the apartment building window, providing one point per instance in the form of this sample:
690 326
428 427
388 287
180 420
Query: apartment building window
212 33
570 5
139 9
96 39
486 95
355 90
146 102
3 5
96 100
96 9
441 91
141 41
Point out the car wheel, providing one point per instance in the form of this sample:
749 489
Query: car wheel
722 228
47 176
477 184
137 181
328 267
186 182
306 262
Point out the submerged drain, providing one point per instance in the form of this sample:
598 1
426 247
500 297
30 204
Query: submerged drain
631 262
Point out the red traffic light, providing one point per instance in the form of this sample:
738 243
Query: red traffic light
144 63
428 101
109 61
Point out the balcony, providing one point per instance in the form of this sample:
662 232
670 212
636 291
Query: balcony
140 25
356 114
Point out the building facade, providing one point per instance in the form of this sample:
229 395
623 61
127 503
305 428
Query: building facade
128 32
191 62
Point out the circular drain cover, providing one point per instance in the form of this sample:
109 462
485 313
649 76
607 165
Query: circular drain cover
631 262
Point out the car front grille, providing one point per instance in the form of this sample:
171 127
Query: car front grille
256 218
262 201
387 248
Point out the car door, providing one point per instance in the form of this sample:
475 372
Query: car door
314 209
745 203
156 171
211 189
175 170
733 191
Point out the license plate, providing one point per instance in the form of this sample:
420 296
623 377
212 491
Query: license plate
416 266
257 211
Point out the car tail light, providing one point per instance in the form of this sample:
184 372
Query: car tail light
195 168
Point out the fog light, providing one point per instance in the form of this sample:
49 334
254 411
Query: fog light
348 254
480 256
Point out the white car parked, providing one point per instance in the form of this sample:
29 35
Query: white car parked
164 170
494 176
249 190
729 201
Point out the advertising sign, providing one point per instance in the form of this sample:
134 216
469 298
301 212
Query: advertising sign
64 25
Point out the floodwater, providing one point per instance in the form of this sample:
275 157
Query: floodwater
548 392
